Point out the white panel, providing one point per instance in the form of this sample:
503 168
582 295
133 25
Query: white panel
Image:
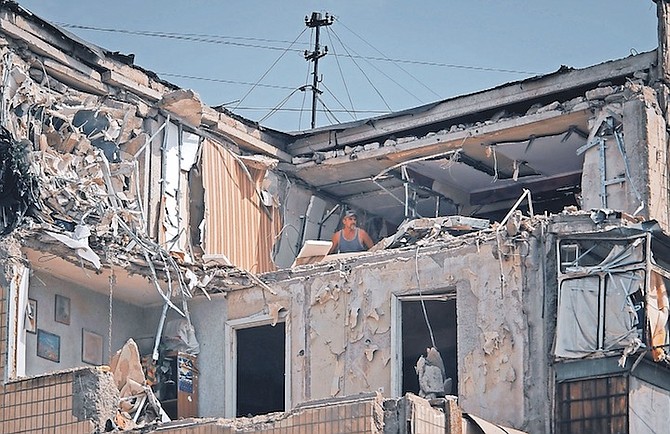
648 408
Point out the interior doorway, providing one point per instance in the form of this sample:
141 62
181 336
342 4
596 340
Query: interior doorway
260 366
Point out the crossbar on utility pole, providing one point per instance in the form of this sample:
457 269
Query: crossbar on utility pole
316 22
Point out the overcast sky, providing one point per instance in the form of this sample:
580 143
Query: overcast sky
384 55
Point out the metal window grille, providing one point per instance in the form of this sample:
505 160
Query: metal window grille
596 406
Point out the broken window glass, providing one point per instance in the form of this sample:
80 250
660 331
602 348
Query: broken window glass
600 254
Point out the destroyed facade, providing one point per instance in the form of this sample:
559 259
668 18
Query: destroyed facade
148 243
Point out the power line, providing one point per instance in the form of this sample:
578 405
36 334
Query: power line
366 77
268 71
381 72
220 80
217 40
296 109
344 82
351 113
190 37
386 57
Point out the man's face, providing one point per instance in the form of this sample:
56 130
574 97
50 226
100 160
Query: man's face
349 222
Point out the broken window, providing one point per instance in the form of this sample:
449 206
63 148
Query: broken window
584 255
596 405
416 339
601 296
260 370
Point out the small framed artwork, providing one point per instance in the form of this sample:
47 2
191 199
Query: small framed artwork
91 347
48 346
31 316
62 309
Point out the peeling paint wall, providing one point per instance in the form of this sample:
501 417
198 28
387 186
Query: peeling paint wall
341 323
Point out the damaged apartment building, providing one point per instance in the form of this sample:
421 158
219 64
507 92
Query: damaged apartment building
156 271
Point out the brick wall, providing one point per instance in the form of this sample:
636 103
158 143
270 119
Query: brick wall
41 405
368 414
354 416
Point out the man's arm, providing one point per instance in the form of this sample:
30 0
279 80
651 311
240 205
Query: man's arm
336 241
365 239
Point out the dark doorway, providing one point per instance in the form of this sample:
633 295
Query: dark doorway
416 339
260 370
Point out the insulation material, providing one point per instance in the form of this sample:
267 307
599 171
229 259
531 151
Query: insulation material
657 314
245 229
179 155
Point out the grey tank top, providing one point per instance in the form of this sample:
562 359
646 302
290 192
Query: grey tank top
347 246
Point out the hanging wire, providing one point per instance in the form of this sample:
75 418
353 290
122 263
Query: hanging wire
364 74
270 68
409 92
352 114
423 304
190 37
279 105
220 80
297 109
327 111
339 67
217 40
390 60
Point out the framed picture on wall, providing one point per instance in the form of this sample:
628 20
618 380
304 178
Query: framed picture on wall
91 347
31 316
48 346
62 309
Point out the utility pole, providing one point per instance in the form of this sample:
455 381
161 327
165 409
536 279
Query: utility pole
316 21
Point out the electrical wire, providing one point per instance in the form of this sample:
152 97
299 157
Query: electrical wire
352 114
279 105
269 69
296 109
339 67
220 80
327 111
378 70
214 40
386 57
304 95
190 37
366 77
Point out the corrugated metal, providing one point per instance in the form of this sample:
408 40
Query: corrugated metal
236 223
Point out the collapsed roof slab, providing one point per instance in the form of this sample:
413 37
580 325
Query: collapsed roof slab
541 89
533 147
374 161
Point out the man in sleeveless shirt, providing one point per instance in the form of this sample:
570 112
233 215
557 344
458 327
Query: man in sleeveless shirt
350 238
